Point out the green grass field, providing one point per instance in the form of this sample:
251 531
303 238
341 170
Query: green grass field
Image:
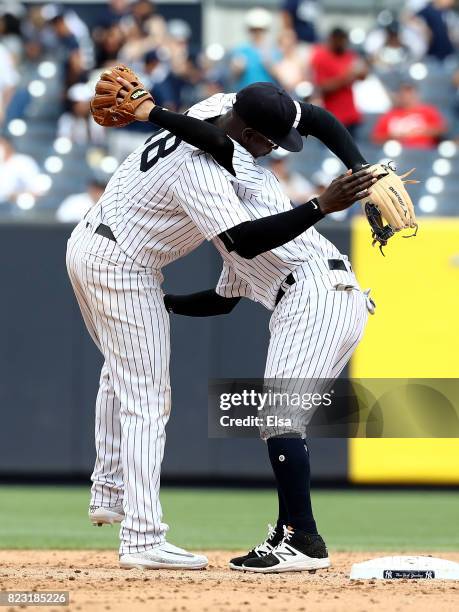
55 517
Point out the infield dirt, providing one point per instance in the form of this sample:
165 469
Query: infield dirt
96 583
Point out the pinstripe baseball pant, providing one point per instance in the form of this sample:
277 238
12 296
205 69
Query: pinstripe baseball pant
122 306
315 328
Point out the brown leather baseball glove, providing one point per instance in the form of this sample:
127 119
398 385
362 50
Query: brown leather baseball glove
108 107
389 208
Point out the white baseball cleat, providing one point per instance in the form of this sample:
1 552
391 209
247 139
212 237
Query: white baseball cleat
98 515
164 556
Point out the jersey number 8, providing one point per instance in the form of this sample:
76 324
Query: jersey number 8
160 146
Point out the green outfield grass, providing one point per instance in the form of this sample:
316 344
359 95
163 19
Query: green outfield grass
55 517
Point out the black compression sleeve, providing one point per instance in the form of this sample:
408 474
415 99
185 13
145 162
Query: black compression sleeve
200 134
323 125
252 238
202 304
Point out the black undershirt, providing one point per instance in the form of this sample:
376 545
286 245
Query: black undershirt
315 121
202 304
200 134
252 238
318 122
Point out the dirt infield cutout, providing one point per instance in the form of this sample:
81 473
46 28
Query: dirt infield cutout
97 584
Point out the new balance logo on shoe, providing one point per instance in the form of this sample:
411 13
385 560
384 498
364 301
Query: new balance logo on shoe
284 553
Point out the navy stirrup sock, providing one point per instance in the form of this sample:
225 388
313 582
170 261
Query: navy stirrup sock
290 462
282 517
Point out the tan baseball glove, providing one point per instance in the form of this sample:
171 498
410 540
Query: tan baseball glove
389 208
108 107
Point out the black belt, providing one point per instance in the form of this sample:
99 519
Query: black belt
333 264
105 231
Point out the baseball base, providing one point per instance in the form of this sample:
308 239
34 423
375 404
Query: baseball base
413 567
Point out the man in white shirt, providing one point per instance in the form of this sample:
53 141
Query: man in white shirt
18 173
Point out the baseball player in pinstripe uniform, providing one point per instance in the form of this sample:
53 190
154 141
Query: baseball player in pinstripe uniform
162 202
319 316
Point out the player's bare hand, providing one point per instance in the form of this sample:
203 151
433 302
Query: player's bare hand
143 111
345 190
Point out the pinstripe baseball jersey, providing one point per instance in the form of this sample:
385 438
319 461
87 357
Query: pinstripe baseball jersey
260 195
165 199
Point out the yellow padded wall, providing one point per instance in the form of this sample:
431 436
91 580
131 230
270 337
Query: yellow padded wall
415 334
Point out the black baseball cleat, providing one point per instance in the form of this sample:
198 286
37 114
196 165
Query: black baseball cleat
298 551
275 536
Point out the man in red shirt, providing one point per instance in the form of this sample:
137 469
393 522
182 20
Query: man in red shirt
335 68
411 122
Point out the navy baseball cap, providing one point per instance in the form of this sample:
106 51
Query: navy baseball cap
269 109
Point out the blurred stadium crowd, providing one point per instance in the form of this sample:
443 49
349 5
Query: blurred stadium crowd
394 84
